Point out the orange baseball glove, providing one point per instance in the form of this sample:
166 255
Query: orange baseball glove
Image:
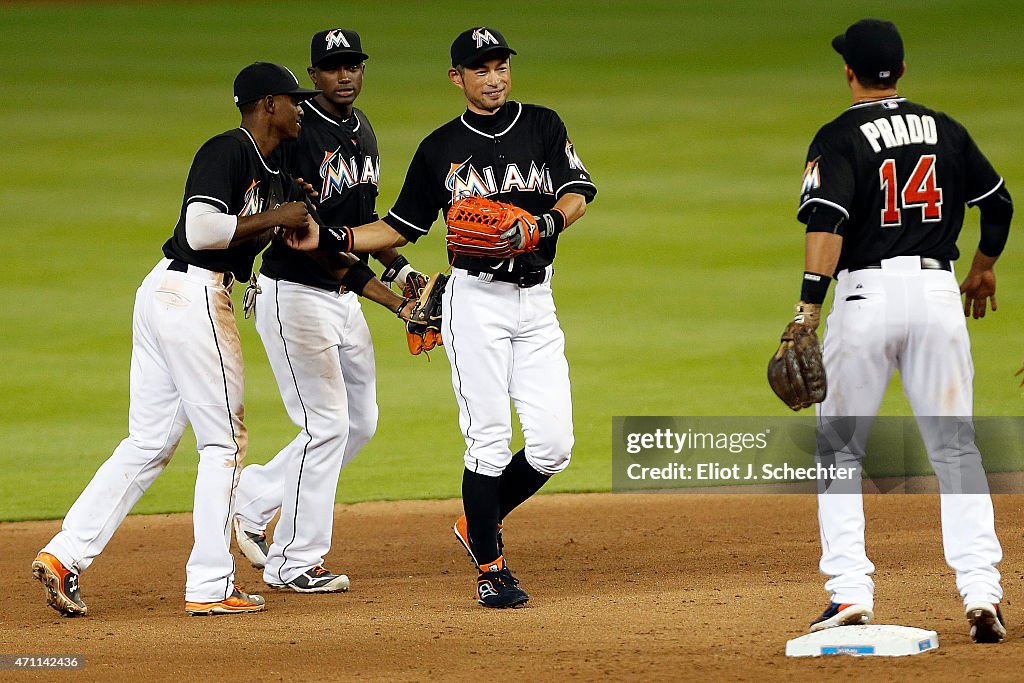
483 228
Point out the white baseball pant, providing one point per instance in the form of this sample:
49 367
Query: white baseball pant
902 317
504 342
186 368
320 350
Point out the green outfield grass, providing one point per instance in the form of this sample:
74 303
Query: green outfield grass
694 118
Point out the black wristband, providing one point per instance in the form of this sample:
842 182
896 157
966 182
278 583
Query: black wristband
356 277
335 239
815 287
551 222
392 271
405 302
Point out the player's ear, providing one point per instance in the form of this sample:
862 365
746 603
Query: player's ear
312 74
455 76
902 70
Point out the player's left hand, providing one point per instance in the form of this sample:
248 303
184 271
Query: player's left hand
423 324
307 188
796 371
978 288
521 234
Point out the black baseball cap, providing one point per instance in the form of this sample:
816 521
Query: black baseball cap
260 79
873 48
336 42
474 44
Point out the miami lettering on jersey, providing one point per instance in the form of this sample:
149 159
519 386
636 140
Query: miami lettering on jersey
251 202
465 180
338 173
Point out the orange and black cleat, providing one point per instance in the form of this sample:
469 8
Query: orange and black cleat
236 603
61 585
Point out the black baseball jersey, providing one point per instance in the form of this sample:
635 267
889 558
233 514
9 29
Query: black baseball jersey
901 174
521 155
339 158
229 172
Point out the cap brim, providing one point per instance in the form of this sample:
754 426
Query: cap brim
482 54
344 54
302 94
839 44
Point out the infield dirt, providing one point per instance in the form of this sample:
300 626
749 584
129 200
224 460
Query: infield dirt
622 587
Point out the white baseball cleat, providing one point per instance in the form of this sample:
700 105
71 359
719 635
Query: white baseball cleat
987 625
253 544
842 614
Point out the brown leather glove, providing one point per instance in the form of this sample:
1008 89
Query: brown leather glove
796 371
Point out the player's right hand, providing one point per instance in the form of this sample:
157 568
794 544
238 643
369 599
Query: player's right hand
304 238
292 215
979 288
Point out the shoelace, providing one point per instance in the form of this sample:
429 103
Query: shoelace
318 570
506 574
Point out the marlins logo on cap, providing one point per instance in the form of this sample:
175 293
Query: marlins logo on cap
338 43
483 36
474 44
336 38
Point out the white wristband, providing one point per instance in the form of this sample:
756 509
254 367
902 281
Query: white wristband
404 273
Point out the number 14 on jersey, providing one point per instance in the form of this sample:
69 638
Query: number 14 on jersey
921 190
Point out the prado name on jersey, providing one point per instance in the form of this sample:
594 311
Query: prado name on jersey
926 164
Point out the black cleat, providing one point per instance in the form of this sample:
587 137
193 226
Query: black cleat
316 580
497 588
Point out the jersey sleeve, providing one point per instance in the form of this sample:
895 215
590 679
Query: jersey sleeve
829 178
982 180
416 208
568 174
214 176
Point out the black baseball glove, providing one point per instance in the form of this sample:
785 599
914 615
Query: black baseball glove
423 328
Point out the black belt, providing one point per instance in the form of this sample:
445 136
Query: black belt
529 278
181 267
927 263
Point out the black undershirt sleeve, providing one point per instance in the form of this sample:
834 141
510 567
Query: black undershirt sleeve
824 218
996 214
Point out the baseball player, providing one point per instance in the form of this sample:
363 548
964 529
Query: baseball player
499 326
883 199
316 337
186 354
